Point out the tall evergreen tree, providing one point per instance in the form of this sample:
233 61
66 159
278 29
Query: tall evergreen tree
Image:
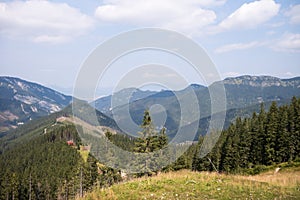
150 141
295 107
282 140
245 143
255 146
271 129
261 134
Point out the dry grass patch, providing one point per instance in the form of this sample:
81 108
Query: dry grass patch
203 185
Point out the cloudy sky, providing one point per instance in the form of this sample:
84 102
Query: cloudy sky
47 41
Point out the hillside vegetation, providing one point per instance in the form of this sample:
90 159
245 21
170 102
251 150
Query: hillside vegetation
243 96
39 164
186 184
46 167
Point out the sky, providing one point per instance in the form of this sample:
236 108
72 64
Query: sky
48 41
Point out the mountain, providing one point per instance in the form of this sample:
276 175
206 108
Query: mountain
262 81
104 104
37 127
243 95
22 101
248 90
50 161
48 158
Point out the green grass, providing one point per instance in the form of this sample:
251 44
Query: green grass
84 154
203 185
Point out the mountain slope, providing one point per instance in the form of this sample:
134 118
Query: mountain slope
186 184
53 165
37 127
104 104
246 90
241 93
22 101
45 159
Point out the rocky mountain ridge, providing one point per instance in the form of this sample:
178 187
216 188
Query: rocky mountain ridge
21 101
263 81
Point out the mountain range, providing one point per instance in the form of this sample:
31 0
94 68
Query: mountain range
242 96
48 157
22 101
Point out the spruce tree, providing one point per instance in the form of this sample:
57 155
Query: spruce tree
255 147
148 142
282 140
261 134
295 106
245 143
271 134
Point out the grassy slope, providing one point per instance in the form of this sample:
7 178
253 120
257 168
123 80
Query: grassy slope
194 185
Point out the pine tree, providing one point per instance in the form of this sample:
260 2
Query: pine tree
196 162
148 142
229 151
245 143
271 134
163 138
282 140
256 146
261 134
296 118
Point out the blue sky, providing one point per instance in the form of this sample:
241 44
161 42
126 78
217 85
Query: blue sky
47 41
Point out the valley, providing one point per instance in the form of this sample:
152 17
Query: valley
67 155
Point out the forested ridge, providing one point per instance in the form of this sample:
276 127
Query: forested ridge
46 167
250 144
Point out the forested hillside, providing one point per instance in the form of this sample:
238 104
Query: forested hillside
243 93
47 167
249 144
267 140
55 165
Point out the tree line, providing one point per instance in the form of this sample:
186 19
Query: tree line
267 138
248 145
47 168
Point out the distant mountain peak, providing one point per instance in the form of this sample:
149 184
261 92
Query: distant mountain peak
262 81
196 86
26 100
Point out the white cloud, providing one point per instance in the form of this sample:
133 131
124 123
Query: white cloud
42 21
294 14
237 46
250 15
288 42
189 15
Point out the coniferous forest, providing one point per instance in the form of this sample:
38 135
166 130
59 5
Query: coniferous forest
265 139
46 167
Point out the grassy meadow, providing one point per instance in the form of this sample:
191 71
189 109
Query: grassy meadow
186 184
